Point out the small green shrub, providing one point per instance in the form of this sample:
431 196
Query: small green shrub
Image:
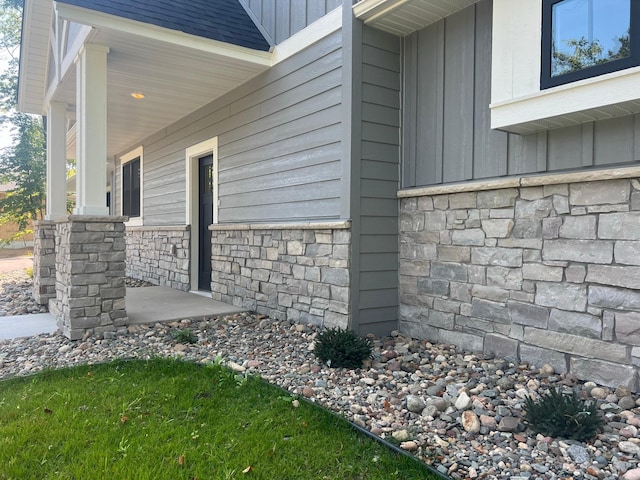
563 415
342 348
184 336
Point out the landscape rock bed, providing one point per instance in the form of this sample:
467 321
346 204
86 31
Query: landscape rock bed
16 297
459 411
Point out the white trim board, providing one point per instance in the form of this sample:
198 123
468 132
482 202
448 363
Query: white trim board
127 157
192 154
306 37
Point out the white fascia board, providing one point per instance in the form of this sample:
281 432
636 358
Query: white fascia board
565 104
111 22
306 37
371 10
37 17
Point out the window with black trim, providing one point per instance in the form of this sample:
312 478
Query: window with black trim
131 188
586 38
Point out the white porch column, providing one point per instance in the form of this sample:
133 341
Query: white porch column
56 161
91 131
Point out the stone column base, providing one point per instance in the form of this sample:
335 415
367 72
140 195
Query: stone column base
90 272
44 261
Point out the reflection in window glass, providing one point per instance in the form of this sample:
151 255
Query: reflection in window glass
586 33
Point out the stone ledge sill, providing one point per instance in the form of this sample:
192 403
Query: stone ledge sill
158 228
94 219
344 224
533 181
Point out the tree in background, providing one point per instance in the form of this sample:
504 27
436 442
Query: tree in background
23 163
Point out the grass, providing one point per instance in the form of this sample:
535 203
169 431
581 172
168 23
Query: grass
168 419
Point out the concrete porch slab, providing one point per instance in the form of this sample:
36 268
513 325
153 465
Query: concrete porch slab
26 325
163 304
143 304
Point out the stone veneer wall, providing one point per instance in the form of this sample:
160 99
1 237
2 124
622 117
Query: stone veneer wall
295 272
44 261
159 255
90 269
546 274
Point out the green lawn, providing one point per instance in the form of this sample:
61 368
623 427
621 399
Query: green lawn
168 419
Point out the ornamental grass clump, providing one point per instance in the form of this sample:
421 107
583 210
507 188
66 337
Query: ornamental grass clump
558 414
184 336
342 348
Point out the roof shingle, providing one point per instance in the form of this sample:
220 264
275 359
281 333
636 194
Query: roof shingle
222 20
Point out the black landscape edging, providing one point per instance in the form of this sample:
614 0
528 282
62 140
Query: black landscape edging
364 431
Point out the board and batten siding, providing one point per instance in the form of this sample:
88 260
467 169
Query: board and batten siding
379 182
446 117
280 19
279 156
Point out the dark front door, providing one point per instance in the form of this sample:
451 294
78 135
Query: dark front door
206 218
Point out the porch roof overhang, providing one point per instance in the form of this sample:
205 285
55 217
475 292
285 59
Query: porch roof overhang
176 72
403 17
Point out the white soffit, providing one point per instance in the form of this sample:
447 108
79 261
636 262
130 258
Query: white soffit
38 16
402 17
177 73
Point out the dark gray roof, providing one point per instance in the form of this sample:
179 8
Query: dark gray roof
223 20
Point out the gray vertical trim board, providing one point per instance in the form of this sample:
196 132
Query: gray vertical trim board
459 77
613 140
564 147
636 137
298 17
379 180
429 98
522 154
315 10
268 20
409 110
542 151
283 20
352 134
587 144
489 146
333 4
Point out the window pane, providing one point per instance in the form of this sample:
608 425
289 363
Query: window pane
126 188
135 188
131 188
588 33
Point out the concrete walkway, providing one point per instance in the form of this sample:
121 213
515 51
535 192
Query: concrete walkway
144 305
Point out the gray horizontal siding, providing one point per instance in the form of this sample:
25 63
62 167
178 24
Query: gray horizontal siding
279 155
446 127
379 181
282 18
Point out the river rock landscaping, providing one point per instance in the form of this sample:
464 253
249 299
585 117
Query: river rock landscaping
459 411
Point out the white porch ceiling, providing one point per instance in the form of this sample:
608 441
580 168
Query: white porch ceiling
402 17
175 80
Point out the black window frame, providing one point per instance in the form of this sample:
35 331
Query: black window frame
131 191
547 81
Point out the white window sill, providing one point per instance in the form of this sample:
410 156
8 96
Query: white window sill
134 222
606 96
